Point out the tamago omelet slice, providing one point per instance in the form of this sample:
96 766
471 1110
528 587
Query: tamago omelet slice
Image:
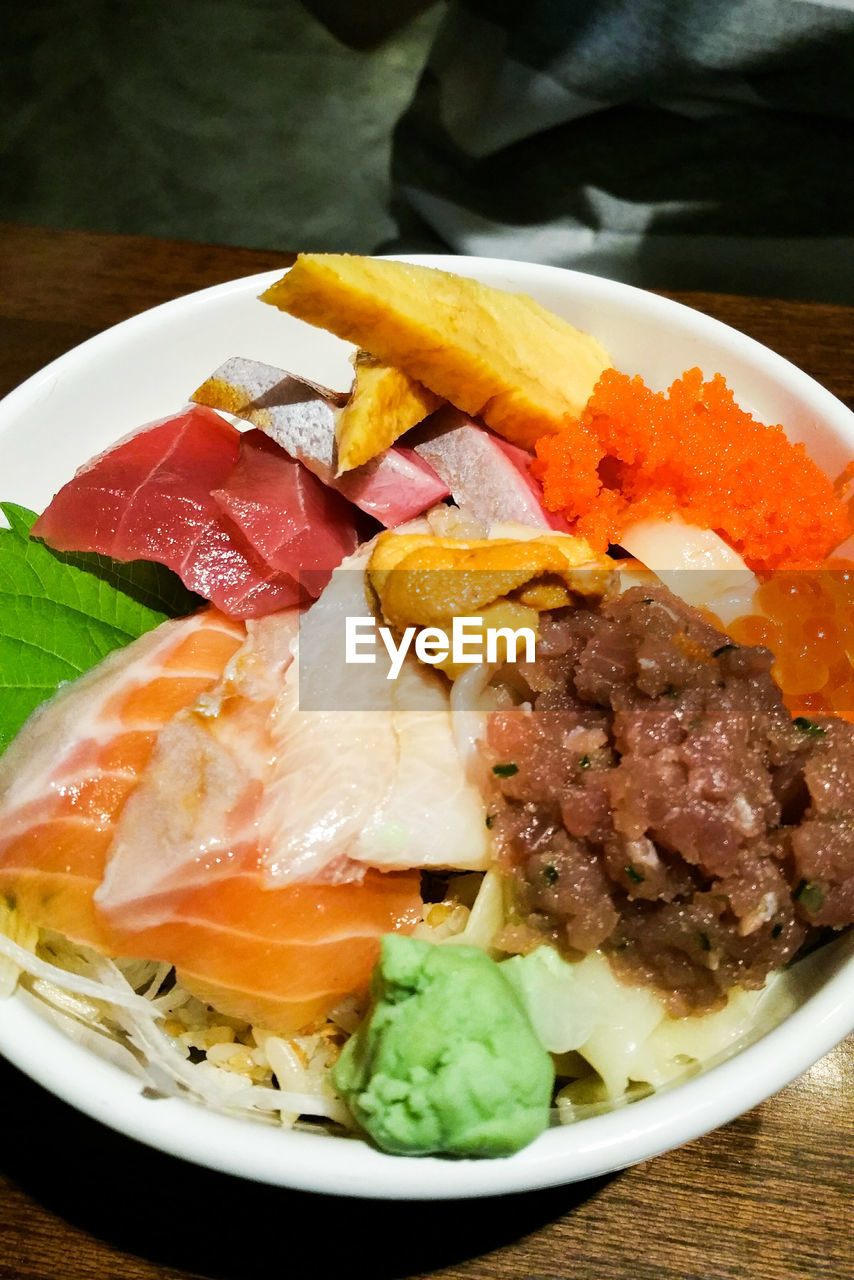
495 355
383 405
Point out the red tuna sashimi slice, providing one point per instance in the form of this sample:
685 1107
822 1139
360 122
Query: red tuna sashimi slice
489 477
149 498
300 416
293 521
65 778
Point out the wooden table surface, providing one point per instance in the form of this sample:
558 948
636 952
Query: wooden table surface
768 1197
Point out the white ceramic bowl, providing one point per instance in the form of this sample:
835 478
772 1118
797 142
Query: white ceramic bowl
144 369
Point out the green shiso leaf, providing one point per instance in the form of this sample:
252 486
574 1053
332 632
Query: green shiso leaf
62 613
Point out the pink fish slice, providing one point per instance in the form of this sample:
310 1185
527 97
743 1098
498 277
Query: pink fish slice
487 476
300 416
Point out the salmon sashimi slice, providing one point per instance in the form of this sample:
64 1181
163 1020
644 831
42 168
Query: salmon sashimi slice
197 799
107 788
66 777
281 955
281 958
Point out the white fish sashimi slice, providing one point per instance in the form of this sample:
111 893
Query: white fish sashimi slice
190 816
263 385
297 414
334 772
695 563
433 813
334 742
368 771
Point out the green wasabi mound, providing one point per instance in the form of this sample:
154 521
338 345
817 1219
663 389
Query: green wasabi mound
446 1062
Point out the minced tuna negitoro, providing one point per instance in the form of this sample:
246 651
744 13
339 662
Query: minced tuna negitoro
660 803
636 453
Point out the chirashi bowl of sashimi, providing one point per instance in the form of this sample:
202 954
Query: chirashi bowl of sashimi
427 750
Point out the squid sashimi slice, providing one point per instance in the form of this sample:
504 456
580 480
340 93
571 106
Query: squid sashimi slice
487 476
300 416
67 776
149 498
292 520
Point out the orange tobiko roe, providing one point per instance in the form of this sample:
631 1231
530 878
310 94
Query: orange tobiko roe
637 453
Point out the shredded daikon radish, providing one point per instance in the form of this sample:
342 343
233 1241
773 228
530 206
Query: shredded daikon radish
120 1010
31 964
16 929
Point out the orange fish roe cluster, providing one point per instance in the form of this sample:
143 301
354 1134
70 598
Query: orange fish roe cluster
636 453
806 619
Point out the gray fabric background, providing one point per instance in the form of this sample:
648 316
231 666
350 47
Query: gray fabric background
657 137
229 121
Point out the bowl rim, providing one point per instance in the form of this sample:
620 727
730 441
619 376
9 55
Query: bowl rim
590 1147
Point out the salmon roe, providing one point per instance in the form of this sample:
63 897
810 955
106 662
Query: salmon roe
637 453
806 619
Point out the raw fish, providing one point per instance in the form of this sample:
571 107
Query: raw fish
401 797
149 498
301 417
292 520
488 477
283 958
310 770
196 800
279 956
66 777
